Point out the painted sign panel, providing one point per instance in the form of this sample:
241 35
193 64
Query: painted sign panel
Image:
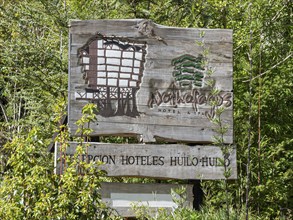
122 196
172 161
149 80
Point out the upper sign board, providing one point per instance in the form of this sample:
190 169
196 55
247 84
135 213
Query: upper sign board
150 80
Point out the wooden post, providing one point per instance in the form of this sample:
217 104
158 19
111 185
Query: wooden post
197 194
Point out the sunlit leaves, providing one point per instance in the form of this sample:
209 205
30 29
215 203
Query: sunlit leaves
33 79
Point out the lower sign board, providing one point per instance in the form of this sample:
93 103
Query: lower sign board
123 196
173 161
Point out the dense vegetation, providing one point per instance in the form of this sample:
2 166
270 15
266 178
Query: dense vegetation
33 92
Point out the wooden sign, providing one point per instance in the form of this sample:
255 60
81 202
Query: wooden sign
150 80
122 196
172 161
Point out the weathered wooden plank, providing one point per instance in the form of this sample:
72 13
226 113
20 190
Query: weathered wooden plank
169 134
222 53
158 114
159 121
128 27
223 83
159 124
121 196
158 161
162 123
155 86
162 74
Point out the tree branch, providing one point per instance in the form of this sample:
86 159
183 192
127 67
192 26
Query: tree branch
4 113
273 67
5 137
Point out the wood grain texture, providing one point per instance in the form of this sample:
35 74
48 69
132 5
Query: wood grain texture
175 120
171 161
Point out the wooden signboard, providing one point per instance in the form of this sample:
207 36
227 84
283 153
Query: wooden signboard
122 196
173 161
150 80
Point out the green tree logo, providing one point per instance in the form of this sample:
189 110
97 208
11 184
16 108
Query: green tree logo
188 70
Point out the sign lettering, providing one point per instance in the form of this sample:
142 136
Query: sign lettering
166 161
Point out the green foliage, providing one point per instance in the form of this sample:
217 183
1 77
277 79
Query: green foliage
26 174
30 190
183 212
33 78
33 67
